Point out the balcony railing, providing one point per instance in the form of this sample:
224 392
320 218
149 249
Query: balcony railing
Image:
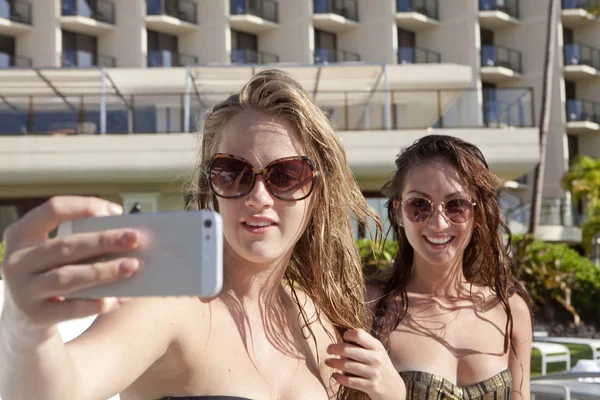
100 10
507 107
416 55
185 10
428 8
555 211
165 58
579 110
334 55
346 8
17 11
499 56
350 111
265 9
85 59
574 4
248 56
12 61
510 7
582 54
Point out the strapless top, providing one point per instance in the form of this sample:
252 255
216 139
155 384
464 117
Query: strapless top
427 386
205 398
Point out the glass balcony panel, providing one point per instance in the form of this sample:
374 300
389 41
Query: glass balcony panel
69 58
406 55
499 56
14 114
86 59
6 60
154 7
581 54
84 9
238 7
4 9
488 56
17 11
345 8
575 4
185 10
425 7
579 110
511 7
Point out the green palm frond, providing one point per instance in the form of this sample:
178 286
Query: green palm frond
594 10
583 182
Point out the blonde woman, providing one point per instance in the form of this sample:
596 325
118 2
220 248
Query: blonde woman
272 166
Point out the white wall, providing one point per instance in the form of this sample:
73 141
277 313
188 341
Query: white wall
377 24
43 43
212 41
292 40
128 43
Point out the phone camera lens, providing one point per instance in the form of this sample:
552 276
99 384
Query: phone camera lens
207 223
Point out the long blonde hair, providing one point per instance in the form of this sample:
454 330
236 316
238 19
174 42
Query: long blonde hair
325 263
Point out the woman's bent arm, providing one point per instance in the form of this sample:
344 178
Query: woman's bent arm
104 360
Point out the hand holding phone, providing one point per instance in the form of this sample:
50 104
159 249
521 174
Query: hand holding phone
180 253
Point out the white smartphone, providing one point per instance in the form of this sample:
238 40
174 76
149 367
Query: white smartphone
180 253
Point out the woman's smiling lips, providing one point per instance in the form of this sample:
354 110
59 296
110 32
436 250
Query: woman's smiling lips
438 241
258 224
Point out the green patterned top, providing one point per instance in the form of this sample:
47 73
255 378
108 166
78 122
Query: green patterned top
427 386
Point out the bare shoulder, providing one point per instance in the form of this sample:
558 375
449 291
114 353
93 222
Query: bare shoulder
138 315
519 307
121 345
521 314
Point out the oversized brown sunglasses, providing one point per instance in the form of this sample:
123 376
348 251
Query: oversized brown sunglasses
289 178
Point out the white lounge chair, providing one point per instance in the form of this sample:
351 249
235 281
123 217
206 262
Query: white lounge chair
566 386
544 391
552 353
593 344
68 330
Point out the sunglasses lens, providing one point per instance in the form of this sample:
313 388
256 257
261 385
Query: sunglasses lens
417 209
230 177
290 179
459 210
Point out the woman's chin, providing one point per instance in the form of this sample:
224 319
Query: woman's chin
440 259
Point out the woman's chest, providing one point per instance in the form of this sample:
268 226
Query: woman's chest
451 340
249 361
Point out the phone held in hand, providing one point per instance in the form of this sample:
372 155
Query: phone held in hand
180 253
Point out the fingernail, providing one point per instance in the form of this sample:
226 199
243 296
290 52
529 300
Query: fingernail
114 209
109 304
128 267
129 238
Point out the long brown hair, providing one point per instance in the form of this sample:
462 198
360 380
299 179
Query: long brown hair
486 260
325 263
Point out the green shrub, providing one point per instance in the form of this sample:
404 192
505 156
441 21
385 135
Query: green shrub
554 272
376 257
